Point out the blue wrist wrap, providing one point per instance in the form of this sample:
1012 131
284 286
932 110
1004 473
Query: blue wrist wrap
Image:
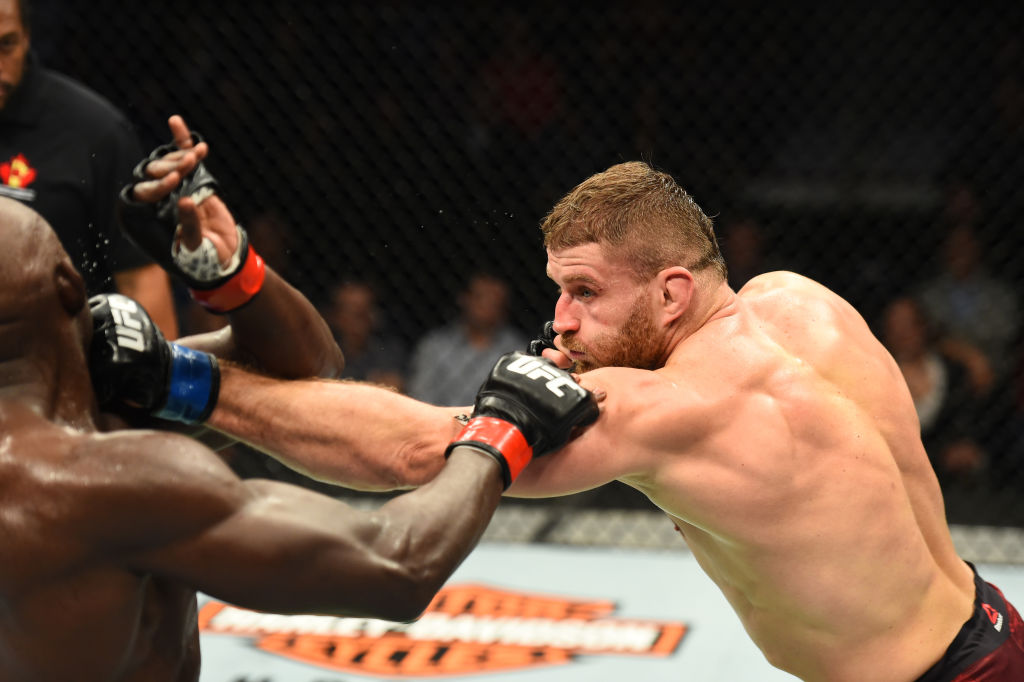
193 386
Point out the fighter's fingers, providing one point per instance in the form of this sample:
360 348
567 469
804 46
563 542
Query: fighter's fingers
182 161
560 359
199 222
151 191
598 392
188 217
180 133
201 150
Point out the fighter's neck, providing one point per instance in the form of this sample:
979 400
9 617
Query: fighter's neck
716 302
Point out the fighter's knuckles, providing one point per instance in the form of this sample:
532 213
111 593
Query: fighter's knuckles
150 191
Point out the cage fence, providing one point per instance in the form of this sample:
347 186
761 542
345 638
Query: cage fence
410 144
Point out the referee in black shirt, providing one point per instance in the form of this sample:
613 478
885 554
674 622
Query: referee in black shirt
66 152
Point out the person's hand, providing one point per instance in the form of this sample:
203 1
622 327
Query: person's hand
203 216
545 346
198 239
131 363
525 408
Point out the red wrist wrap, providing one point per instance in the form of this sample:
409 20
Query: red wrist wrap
238 290
504 437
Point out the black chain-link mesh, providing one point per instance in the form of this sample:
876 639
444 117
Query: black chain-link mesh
410 143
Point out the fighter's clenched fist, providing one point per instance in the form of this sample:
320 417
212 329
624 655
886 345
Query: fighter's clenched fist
527 407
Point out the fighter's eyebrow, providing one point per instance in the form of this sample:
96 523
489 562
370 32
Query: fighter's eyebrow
577 278
581 277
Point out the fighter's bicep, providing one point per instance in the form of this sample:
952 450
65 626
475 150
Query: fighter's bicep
590 460
629 440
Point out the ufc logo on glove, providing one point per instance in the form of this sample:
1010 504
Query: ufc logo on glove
533 368
126 323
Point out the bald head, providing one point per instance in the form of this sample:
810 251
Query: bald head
45 324
35 269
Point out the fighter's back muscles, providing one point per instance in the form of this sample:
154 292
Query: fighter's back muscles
855 362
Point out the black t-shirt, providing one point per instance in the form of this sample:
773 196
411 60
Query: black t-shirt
66 152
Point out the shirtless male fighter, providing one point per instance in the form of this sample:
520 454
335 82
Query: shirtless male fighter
769 424
107 536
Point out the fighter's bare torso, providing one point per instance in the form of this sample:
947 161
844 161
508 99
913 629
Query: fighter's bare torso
782 440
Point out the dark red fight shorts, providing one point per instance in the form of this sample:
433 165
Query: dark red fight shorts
990 645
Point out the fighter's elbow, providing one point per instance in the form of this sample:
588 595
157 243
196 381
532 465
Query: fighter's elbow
410 600
413 575
417 462
331 363
319 363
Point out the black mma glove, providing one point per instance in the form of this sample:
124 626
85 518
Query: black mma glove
545 340
220 289
526 408
130 361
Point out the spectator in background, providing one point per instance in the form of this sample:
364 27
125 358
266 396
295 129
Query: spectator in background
946 401
370 353
66 152
977 318
977 315
449 363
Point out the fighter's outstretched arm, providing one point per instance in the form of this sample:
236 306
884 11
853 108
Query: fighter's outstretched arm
276 547
272 325
363 436
368 437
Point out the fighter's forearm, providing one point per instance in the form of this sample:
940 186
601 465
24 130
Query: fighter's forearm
323 557
358 435
430 531
279 332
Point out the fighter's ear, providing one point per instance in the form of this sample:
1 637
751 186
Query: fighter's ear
676 285
70 287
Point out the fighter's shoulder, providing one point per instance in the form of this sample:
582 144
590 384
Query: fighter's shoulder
783 283
147 473
134 486
648 401
623 380
97 492
789 299
145 453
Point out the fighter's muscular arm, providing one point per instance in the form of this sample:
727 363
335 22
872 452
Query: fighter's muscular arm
178 512
278 330
627 443
370 438
184 515
360 435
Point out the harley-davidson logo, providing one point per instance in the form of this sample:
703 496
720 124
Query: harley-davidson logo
466 629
